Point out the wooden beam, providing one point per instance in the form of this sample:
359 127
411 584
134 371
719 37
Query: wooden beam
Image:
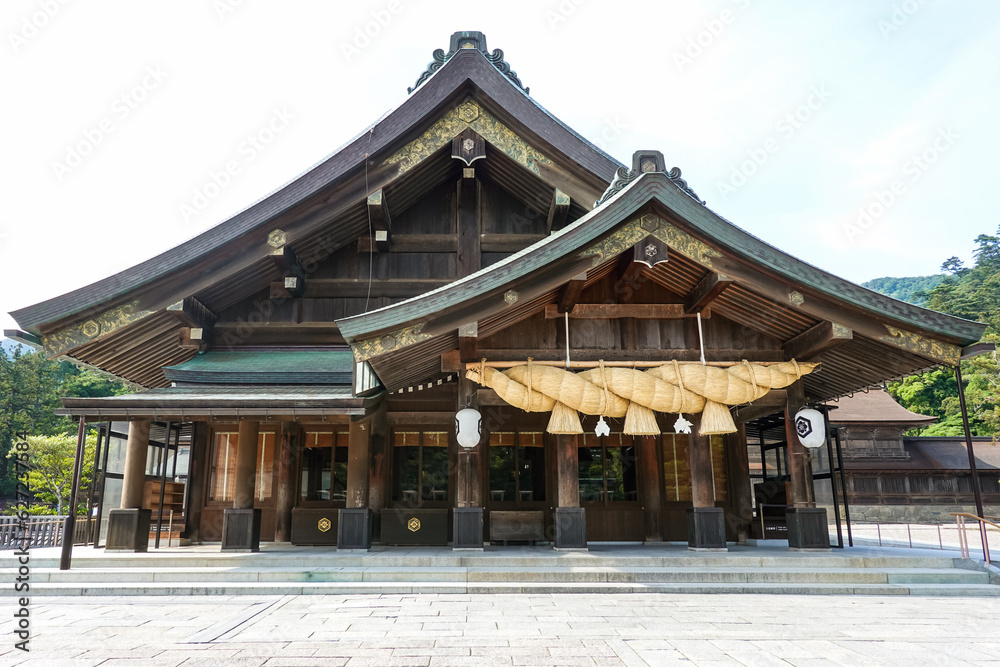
467 223
468 339
558 210
748 413
287 262
816 340
199 323
379 239
606 311
706 291
571 293
979 348
327 288
425 243
508 242
630 276
661 355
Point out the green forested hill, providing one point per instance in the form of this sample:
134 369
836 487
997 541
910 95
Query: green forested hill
910 289
972 293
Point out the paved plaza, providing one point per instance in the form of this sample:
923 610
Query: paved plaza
482 630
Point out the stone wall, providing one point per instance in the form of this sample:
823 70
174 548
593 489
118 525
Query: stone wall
931 514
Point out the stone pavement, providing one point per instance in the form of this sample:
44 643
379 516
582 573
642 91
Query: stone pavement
483 630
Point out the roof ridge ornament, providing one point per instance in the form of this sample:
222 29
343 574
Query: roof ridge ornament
470 39
646 162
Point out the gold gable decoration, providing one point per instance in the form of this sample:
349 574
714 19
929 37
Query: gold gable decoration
613 391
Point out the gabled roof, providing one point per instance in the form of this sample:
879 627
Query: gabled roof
250 366
889 337
241 241
874 408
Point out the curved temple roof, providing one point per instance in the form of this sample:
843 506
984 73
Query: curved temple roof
568 251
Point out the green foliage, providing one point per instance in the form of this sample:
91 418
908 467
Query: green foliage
50 461
30 387
913 289
972 293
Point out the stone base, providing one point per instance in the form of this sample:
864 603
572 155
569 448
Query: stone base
571 528
467 528
128 530
807 528
706 528
354 529
241 530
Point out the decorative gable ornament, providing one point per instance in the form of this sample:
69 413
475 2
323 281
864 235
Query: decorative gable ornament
810 427
646 162
468 40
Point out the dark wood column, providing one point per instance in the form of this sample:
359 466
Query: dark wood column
739 473
567 471
706 522
700 465
807 524
468 480
797 469
354 526
289 450
246 465
358 450
198 481
570 519
134 478
651 476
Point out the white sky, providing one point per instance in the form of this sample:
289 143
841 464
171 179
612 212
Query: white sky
887 81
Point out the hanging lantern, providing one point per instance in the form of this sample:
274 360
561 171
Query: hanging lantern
468 424
811 427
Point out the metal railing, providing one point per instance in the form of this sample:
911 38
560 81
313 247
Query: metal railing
984 524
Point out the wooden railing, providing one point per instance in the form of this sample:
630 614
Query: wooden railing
39 531
984 524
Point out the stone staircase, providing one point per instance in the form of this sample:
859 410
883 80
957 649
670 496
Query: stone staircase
285 570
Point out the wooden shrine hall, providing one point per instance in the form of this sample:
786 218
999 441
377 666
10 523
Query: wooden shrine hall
598 337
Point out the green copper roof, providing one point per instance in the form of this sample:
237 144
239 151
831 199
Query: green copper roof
331 367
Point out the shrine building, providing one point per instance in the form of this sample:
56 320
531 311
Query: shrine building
302 366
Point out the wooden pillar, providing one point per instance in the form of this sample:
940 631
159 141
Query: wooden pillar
650 483
289 450
378 475
797 469
134 478
739 472
468 479
198 480
567 471
246 465
700 465
358 450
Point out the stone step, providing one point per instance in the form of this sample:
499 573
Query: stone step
153 560
581 575
409 588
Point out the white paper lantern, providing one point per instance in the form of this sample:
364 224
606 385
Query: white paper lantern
811 427
467 427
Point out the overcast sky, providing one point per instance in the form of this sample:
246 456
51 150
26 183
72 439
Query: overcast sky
860 136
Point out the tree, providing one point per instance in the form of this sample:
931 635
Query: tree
50 460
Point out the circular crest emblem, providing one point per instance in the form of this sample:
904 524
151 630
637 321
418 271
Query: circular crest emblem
413 524
324 525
